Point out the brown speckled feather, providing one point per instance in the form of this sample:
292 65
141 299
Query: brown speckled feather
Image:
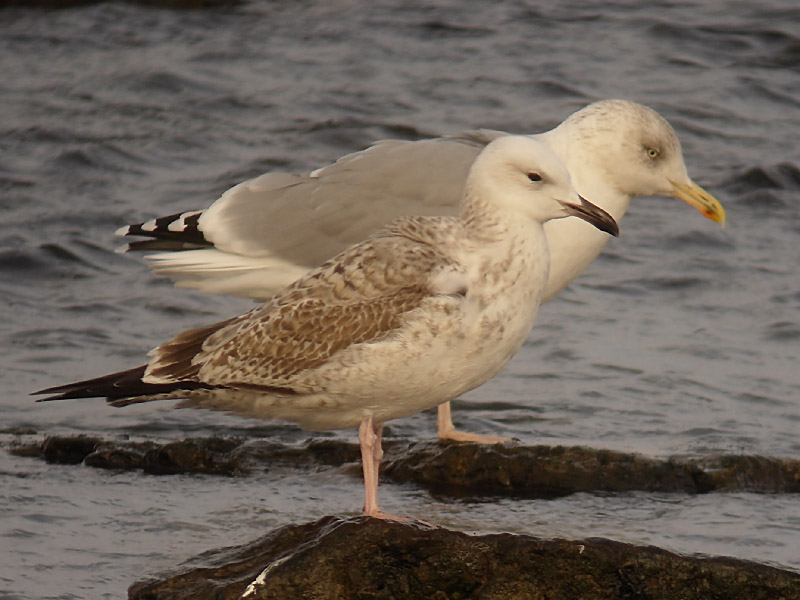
359 296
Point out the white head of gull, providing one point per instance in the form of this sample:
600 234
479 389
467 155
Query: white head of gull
419 313
264 233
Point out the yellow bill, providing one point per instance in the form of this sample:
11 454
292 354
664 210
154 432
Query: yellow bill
700 199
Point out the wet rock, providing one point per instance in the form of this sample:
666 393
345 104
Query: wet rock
214 456
359 558
538 471
553 471
451 469
26 450
18 431
68 450
124 459
211 456
730 472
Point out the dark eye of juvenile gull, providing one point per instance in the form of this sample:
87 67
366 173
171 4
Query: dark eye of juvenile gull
534 177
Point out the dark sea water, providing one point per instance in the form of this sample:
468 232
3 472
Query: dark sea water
681 339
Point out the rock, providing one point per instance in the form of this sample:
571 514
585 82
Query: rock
451 469
553 471
109 457
538 471
212 456
68 450
752 473
366 558
17 431
359 558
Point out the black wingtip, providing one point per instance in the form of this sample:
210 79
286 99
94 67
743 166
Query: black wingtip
116 385
187 236
117 388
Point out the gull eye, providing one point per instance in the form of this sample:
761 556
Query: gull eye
652 152
534 177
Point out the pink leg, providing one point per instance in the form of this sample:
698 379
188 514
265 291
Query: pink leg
369 437
448 431
377 449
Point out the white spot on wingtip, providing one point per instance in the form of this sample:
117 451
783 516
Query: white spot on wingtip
123 231
149 225
179 224
122 249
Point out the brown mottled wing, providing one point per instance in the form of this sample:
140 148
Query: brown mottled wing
359 296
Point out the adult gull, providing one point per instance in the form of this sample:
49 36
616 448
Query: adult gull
264 233
422 311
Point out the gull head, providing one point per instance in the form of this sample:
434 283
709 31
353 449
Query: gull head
522 176
634 149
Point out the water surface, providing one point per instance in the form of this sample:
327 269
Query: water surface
681 339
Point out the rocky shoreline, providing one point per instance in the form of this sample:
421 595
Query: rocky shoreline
449 469
343 558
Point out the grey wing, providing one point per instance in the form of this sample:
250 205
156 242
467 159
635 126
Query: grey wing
266 232
312 217
362 295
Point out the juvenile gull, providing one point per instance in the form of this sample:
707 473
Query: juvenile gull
422 311
264 233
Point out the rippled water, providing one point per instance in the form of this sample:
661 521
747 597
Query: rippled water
682 338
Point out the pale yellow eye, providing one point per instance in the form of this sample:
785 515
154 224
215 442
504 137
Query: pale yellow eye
652 153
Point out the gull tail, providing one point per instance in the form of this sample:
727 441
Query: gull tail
213 271
190 260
